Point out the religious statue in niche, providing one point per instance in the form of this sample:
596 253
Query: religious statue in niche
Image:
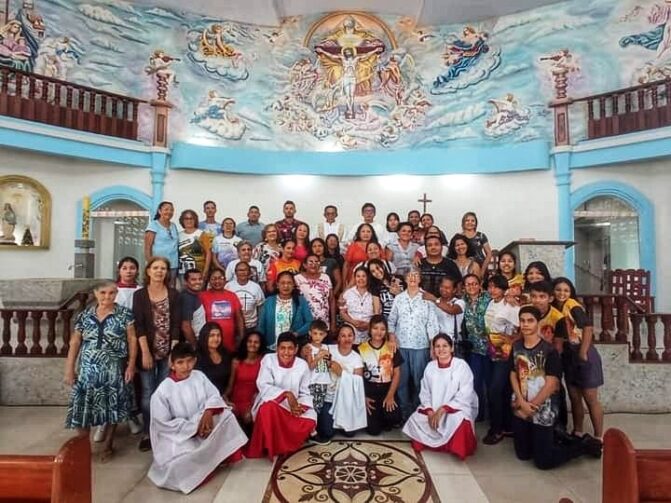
160 69
213 49
355 88
215 115
468 59
658 39
25 212
508 116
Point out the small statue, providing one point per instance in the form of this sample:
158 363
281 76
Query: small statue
159 66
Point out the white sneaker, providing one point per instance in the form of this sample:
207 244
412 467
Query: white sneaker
135 425
99 434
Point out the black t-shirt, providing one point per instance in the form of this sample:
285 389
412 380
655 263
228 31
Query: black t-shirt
532 366
433 274
219 374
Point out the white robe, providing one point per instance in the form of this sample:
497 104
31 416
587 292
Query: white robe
349 404
182 460
452 386
275 380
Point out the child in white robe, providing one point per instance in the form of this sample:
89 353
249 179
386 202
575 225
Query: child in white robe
284 416
192 429
444 420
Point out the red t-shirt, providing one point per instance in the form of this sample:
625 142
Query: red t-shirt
221 308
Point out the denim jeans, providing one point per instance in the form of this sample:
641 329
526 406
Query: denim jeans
536 442
500 413
325 429
481 367
150 380
412 371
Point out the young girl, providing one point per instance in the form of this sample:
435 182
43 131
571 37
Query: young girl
581 361
242 390
448 405
318 357
213 360
381 376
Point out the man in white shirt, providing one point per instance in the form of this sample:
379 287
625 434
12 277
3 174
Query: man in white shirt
330 225
368 213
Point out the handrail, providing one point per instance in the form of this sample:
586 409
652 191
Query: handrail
6 69
608 94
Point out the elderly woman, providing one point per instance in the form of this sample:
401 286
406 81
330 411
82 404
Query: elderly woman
104 343
412 325
445 418
269 249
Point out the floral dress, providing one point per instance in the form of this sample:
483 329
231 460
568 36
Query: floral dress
99 394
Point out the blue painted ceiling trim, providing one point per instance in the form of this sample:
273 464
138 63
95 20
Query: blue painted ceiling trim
646 217
70 143
532 155
617 154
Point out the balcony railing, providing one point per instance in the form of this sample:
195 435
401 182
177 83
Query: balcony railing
637 108
51 101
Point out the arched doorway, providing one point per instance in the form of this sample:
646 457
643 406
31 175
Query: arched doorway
118 229
606 232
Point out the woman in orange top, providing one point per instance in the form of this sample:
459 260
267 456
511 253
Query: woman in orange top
356 251
286 262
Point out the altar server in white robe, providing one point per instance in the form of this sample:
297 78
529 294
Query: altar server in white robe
284 416
444 420
192 429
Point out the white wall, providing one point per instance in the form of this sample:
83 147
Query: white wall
509 206
67 180
653 179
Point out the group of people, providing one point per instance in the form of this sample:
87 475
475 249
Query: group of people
275 339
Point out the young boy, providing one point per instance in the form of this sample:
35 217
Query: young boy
552 325
553 329
192 429
318 357
284 416
535 379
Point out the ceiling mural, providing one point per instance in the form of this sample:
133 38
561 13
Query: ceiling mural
344 80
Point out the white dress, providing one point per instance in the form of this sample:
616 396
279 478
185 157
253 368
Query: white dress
182 460
451 386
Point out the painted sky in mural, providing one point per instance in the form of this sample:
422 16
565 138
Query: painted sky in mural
344 81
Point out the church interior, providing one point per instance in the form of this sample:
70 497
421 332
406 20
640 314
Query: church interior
550 120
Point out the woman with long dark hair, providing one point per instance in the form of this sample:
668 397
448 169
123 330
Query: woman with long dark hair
213 359
242 389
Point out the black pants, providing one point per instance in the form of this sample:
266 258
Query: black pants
498 395
380 419
537 442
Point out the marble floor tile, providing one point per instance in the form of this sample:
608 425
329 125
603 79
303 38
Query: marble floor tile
461 488
439 463
542 487
245 482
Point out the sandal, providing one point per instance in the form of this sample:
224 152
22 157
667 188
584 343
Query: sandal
492 438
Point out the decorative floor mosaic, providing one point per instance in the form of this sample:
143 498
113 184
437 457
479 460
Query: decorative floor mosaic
352 471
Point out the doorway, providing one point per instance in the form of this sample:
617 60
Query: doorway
606 232
118 229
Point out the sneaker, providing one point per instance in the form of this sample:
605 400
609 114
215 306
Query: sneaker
99 434
492 438
592 446
135 425
145 445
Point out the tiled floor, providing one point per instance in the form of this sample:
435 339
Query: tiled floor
493 474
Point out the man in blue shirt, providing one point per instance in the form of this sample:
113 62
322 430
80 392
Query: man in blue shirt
251 229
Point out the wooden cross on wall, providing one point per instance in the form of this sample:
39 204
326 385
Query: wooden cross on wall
424 202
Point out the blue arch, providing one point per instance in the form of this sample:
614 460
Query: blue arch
646 218
113 193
